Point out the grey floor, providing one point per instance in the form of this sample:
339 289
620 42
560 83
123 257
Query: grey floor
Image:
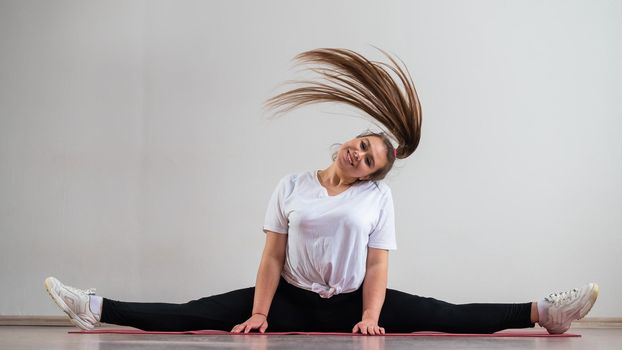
52 338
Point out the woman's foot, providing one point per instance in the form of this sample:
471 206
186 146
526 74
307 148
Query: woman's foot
74 302
558 310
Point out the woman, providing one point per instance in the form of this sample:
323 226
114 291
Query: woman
328 234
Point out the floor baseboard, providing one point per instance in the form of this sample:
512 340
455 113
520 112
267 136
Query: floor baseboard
598 322
34 321
588 322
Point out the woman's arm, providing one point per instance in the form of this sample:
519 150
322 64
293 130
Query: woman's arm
268 277
374 290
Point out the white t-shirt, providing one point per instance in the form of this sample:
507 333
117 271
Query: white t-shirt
329 235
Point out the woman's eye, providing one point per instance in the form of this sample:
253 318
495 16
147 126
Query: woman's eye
367 161
363 145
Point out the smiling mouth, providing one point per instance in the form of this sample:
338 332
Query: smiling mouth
349 158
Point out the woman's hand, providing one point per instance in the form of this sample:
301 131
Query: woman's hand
368 326
257 321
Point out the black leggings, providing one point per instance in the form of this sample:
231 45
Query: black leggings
295 309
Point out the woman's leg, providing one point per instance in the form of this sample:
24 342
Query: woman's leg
403 312
218 312
85 309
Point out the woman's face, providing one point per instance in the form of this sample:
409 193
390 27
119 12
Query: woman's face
361 157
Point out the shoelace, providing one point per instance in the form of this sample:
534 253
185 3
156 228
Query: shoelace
90 291
562 297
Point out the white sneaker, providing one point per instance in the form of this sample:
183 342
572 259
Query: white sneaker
564 307
75 302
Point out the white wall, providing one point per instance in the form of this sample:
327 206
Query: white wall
135 156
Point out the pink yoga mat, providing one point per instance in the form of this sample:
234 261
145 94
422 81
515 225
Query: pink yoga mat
416 334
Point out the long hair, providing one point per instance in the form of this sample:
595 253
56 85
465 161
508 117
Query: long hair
384 91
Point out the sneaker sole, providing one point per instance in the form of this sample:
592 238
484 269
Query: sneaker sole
75 319
593 296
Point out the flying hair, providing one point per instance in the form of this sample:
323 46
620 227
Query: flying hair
383 91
